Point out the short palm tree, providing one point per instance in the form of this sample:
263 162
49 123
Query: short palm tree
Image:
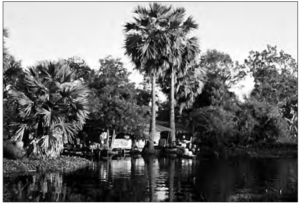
52 106
148 44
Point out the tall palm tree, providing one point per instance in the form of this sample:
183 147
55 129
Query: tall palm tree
52 105
147 44
182 56
185 60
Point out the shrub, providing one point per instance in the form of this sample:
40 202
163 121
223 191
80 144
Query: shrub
218 127
266 122
11 151
251 122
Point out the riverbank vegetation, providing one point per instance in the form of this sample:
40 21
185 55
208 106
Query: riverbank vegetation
52 102
33 165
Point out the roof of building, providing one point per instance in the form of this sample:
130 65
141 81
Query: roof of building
179 127
159 128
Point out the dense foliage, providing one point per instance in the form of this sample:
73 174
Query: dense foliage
276 82
51 102
13 74
268 115
116 104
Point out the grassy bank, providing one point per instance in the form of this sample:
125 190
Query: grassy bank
290 196
277 150
29 165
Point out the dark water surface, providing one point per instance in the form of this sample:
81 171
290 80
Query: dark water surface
162 179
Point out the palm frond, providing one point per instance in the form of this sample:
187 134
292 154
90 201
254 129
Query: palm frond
132 27
47 116
33 81
25 103
189 87
20 130
189 25
51 144
69 129
79 91
141 11
64 72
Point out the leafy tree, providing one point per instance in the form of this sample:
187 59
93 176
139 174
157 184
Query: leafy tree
206 84
143 97
52 106
219 79
262 122
12 70
250 122
147 42
116 104
81 70
5 50
275 75
216 126
13 74
276 82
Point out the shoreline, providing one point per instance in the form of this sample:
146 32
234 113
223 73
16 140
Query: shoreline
28 165
71 163
266 151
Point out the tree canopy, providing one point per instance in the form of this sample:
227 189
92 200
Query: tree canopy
116 103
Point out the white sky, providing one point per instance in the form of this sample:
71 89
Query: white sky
93 30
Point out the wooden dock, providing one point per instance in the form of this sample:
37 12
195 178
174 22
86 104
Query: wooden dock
96 154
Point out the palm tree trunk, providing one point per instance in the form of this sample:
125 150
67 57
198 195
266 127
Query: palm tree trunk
113 138
151 177
153 127
171 179
107 139
172 108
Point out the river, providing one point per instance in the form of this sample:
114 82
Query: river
162 179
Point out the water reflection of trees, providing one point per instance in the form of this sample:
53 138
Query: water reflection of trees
266 180
152 179
40 188
118 180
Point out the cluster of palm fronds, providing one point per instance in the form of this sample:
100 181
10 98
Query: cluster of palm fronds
52 106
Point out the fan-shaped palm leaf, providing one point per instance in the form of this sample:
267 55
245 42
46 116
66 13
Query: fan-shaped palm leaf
69 129
51 144
20 130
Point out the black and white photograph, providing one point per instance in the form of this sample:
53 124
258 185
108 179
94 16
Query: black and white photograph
149 101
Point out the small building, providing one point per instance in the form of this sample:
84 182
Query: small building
122 141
